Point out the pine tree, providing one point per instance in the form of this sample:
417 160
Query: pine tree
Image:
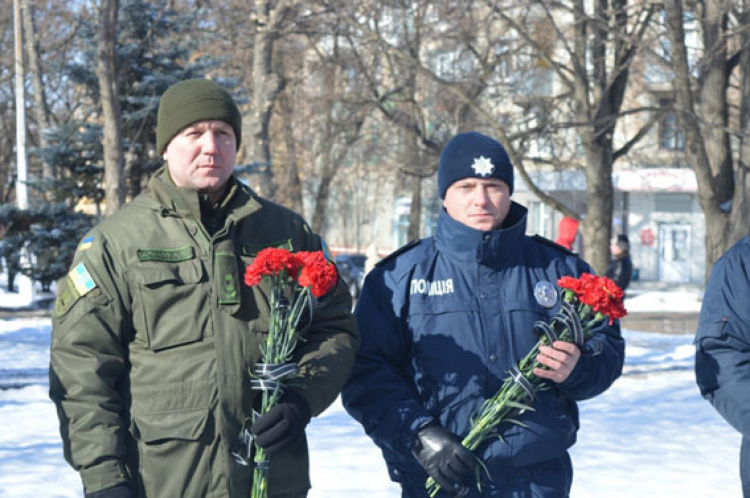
154 50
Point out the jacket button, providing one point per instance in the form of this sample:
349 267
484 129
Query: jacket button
493 358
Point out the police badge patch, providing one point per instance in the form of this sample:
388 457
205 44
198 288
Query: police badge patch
545 294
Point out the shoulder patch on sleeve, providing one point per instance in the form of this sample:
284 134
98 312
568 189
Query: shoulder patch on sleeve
399 251
86 243
553 244
67 296
81 279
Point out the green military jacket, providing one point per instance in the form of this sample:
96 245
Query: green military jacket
153 336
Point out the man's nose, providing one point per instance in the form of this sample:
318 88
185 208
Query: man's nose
480 195
210 141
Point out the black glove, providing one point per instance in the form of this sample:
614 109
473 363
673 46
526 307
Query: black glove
283 424
119 491
445 460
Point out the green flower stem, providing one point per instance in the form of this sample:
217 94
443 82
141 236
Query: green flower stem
278 348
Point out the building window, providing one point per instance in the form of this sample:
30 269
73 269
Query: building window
671 136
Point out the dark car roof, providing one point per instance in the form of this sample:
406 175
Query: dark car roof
357 259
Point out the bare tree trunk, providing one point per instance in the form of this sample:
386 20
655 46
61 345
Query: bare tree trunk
267 84
415 229
324 192
114 179
596 227
333 155
290 191
741 201
710 187
41 110
598 101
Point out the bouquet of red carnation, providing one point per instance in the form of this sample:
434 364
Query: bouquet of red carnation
296 279
586 302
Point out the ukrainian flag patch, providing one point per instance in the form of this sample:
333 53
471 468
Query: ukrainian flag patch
86 243
81 279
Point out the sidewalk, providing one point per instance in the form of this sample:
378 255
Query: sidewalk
663 307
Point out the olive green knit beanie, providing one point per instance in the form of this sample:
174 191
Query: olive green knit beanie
189 101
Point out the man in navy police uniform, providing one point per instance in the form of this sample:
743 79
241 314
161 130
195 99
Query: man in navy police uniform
443 320
722 342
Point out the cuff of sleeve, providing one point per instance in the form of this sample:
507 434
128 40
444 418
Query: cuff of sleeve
575 376
411 433
104 475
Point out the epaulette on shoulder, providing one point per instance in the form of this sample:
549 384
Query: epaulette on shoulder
553 244
401 250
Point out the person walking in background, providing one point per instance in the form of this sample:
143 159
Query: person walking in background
620 268
442 321
153 332
722 355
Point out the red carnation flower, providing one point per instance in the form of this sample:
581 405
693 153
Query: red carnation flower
600 293
317 273
269 262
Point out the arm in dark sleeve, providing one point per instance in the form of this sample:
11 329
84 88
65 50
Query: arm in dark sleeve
326 354
87 364
602 361
596 372
379 393
722 356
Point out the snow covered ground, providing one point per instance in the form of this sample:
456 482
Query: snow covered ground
650 435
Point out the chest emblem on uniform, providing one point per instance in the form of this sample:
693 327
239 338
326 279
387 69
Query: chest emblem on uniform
431 288
545 294
483 166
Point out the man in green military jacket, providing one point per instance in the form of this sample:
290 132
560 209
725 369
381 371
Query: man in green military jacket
154 332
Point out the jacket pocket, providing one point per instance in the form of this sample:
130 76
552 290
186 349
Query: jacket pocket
712 328
186 425
175 451
521 318
713 340
171 303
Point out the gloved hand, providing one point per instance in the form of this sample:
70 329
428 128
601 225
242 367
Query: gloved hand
444 458
119 491
283 424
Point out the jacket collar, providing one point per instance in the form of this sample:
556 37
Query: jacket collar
493 248
239 201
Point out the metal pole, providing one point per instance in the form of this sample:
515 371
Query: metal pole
22 191
25 284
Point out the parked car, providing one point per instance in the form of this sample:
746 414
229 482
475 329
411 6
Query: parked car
352 270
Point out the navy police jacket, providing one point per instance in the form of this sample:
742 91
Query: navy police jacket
722 356
443 320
